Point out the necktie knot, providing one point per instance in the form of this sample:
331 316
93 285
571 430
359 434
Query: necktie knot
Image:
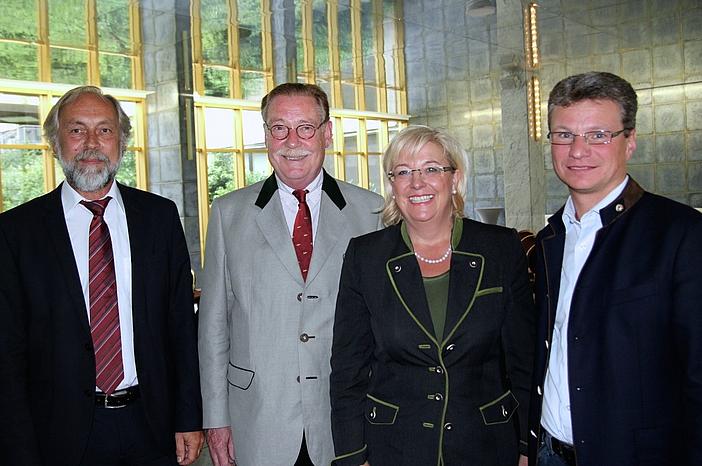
97 207
300 195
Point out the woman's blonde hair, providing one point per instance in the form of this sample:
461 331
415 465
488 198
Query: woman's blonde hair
409 142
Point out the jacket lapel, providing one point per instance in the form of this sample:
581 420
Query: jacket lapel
139 245
464 286
552 246
271 223
56 223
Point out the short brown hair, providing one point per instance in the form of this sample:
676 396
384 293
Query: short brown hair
291 89
596 85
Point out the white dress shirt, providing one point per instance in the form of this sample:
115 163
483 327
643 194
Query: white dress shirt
290 203
580 237
78 219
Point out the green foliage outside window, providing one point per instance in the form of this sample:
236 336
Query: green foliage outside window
22 176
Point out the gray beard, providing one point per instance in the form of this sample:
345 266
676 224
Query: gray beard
89 179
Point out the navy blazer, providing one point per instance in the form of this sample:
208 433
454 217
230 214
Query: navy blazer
399 395
47 362
634 334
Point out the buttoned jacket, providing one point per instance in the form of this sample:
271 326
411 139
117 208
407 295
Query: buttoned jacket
265 333
47 360
634 334
400 396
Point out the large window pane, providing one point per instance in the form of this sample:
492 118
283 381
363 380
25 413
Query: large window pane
375 178
216 82
351 167
250 40
18 20
69 66
113 25
254 133
127 171
214 36
219 128
257 167
220 174
350 126
22 175
253 85
19 119
373 136
115 71
320 31
18 61
346 56
67 25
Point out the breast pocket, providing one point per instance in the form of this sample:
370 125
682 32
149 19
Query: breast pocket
634 293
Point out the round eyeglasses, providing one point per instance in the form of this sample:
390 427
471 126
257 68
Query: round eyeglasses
405 174
303 131
592 138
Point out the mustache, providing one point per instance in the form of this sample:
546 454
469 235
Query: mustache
92 154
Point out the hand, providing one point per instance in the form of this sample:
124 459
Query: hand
221 445
523 460
188 446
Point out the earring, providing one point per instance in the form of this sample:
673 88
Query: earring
454 191
393 197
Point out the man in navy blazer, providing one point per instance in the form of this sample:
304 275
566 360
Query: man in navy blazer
54 410
618 365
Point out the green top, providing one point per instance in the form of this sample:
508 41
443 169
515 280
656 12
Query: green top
436 289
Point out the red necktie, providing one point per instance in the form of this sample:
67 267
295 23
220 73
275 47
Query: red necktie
104 313
302 232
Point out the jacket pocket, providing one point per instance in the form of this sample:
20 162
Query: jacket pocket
380 412
239 377
500 410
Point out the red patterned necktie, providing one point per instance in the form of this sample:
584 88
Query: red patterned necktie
302 232
104 313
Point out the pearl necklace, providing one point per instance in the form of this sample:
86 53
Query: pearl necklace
434 261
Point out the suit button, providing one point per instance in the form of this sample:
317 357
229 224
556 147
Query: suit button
439 370
397 268
451 347
299 297
298 379
304 338
438 396
473 264
578 389
448 426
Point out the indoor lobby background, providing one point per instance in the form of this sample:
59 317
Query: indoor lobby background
190 74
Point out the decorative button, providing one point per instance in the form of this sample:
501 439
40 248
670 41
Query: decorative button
538 390
473 263
503 410
451 347
298 379
578 389
299 297
439 370
619 207
398 268
448 426
304 338
438 396
372 413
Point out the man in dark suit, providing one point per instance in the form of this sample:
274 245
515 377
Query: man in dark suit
98 343
618 369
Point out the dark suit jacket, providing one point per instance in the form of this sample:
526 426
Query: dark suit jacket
47 363
399 396
634 334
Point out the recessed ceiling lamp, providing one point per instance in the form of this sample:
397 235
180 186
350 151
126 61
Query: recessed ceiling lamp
480 8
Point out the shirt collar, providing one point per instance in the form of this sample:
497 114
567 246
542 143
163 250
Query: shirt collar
569 210
70 198
314 186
